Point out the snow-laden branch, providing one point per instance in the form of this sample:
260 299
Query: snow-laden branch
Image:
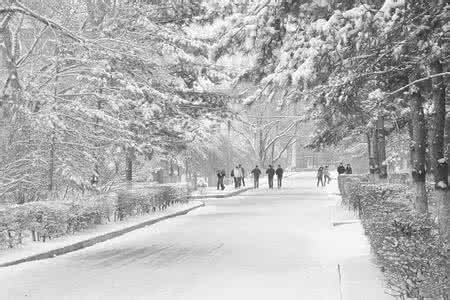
291 141
26 55
249 141
417 81
22 9
283 133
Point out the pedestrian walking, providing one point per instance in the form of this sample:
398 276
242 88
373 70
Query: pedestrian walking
220 177
242 175
279 171
320 176
256 173
270 173
237 177
326 175
348 169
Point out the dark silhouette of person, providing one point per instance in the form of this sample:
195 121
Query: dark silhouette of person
348 169
270 173
256 173
220 177
279 171
320 176
341 169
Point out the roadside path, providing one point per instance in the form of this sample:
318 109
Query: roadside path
264 244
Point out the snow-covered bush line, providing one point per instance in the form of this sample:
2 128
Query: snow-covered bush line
407 244
51 219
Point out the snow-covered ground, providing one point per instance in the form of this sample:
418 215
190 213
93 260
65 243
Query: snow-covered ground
30 248
258 245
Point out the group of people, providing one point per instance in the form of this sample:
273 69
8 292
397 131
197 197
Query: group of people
238 175
344 170
271 172
323 174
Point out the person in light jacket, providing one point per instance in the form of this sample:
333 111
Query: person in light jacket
326 175
236 173
242 175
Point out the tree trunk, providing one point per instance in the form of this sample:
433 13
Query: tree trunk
53 137
439 163
371 158
381 145
9 51
51 167
261 145
419 133
186 169
411 145
376 166
129 164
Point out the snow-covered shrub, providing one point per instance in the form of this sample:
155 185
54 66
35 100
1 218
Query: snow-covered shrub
346 181
51 219
202 183
401 178
407 244
141 201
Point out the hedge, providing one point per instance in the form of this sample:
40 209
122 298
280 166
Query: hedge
407 244
51 219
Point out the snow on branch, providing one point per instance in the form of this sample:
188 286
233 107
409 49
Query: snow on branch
417 81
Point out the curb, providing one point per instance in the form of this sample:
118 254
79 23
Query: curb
95 240
221 195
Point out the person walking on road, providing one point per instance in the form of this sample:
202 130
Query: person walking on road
242 174
348 169
279 171
326 175
270 173
236 174
220 177
256 173
320 176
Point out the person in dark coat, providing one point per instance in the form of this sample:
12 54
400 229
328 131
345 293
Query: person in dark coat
279 171
320 176
348 169
270 173
341 169
220 177
256 173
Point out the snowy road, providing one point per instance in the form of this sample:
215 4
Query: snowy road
259 245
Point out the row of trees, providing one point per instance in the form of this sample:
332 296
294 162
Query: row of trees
356 66
91 86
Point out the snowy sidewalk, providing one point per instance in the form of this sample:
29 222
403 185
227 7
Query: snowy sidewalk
37 250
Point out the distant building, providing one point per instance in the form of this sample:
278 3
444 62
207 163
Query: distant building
307 159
